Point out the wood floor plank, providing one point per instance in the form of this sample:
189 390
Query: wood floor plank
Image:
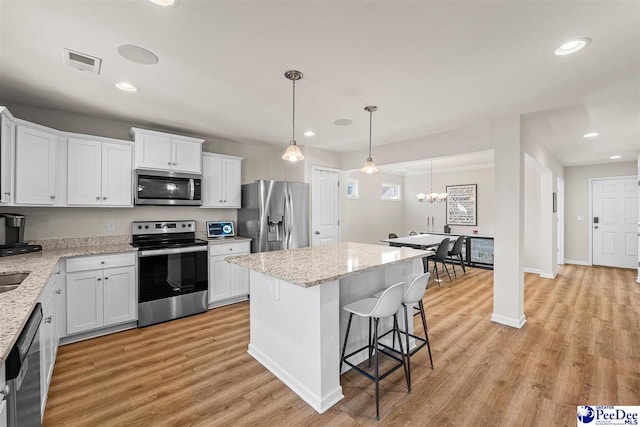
579 346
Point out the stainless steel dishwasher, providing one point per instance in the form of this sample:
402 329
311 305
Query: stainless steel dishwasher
23 375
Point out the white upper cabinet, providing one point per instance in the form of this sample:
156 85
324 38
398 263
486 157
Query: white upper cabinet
117 171
221 181
7 146
99 173
36 166
163 151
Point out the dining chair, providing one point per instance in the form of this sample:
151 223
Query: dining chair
413 233
394 236
455 255
441 257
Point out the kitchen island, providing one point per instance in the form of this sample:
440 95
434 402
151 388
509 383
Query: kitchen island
297 324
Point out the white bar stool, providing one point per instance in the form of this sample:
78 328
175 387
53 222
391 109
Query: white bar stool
377 308
412 296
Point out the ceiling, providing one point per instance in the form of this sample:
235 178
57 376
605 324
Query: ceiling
429 66
467 161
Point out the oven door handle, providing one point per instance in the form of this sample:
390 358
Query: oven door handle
172 251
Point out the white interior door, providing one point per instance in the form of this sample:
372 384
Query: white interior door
326 206
614 222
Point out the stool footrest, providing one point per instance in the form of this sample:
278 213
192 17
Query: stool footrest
423 342
365 373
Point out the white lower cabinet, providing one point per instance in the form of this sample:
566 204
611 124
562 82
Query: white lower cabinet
3 398
101 291
228 283
49 331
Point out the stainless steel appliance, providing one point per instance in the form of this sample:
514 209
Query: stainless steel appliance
275 214
22 369
167 188
172 271
12 235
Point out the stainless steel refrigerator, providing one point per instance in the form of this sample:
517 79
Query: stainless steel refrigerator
275 214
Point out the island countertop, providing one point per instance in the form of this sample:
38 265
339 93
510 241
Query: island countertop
313 266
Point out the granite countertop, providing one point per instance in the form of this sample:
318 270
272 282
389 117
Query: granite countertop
307 267
16 305
218 240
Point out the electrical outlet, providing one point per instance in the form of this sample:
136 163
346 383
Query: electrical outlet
111 226
580 218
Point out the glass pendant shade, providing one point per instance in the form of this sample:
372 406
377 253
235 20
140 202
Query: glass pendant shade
369 166
293 153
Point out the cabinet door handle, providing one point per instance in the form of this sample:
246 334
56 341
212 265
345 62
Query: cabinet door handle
101 262
106 278
175 164
7 193
169 163
53 197
47 319
59 291
99 279
104 198
98 198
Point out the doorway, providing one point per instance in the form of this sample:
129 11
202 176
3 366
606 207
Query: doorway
325 206
614 222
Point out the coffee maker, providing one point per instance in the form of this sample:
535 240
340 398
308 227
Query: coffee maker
12 235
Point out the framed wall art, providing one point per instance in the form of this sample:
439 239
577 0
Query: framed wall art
462 204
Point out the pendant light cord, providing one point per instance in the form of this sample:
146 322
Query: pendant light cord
294 112
370 129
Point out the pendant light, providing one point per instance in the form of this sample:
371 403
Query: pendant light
293 153
432 196
369 166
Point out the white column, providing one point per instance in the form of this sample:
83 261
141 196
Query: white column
508 273
638 278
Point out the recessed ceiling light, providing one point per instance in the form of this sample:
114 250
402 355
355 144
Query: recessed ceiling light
572 46
590 134
616 156
137 54
127 87
309 133
164 3
343 122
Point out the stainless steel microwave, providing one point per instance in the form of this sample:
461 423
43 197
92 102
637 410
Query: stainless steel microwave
167 188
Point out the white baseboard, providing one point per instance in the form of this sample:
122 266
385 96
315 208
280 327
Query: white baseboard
319 403
532 270
576 262
509 321
638 279
549 276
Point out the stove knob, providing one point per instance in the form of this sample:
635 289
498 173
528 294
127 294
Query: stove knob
146 226
139 227
189 225
183 226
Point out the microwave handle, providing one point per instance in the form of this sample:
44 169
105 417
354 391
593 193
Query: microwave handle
192 186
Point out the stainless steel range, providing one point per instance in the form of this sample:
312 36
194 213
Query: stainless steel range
172 271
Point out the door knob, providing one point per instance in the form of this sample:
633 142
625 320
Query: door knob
317 232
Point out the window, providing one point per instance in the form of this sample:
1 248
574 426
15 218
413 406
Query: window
352 189
390 192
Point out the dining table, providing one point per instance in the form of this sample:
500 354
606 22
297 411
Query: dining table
428 242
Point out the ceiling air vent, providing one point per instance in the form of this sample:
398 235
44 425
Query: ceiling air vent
82 61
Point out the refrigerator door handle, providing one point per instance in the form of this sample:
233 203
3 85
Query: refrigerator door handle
289 216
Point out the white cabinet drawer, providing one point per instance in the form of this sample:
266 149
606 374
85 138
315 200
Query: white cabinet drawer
229 248
97 262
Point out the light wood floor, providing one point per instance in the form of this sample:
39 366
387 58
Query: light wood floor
579 346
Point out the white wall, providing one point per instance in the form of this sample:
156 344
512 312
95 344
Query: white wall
577 204
369 219
532 234
415 214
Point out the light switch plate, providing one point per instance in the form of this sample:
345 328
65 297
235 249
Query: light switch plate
111 226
